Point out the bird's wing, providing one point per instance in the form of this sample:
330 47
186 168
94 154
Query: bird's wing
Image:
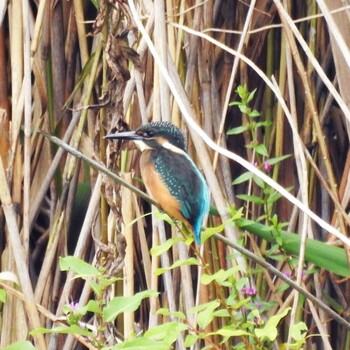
184 182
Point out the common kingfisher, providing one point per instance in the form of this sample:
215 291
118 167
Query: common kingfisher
170 176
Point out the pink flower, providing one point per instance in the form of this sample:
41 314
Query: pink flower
267 166
249 291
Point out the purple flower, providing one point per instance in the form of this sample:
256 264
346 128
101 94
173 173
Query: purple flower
249 291
288 274
73 305
267 166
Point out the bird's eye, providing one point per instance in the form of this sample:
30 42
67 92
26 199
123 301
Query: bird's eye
151 134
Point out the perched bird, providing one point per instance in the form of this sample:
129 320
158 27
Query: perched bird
170 176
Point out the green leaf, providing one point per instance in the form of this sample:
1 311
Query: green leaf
78 266
141 344
298 331
259 182
20 345
158 250
249 198
91 306
242 91
220 276
237 130
228 331
222 313
244 109
243 178
177 263
210 231
119 305
261 149
254 114
328 257
166 332
269 331
3 296
73 329
166 312
264 123
190 340
250 95
274 196
276 160
160 215
205 312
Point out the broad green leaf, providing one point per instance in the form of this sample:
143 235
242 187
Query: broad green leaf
119 305
210 231
166 332
73 329
166 312
259 182
160 215
20 345
205 312
298 331
269 331
249 198
78 266
158 250
190 339
261 149
253 114
243 178
250 95
177 263
275 196
141 344
242 91
228 331
3 296
330 258
222 313
264 123
220 276
237 130
243 108
276 160
91 306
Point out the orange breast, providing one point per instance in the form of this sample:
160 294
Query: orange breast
157 189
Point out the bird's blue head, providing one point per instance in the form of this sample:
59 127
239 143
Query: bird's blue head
154 135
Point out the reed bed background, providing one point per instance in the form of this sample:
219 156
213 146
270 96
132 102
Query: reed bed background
79 69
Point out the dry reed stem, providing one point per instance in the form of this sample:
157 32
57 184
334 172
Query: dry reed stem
19 255
128 278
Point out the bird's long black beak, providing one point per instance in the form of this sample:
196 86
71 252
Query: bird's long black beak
126 135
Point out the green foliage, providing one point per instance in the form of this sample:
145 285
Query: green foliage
240 315
328 257
119 305
3 296
20 345
105 313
